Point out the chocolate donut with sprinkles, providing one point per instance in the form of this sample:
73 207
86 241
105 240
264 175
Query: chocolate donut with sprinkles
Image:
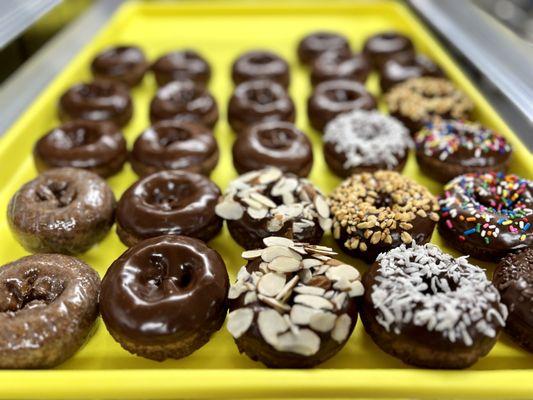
487 215
429 309
375 212
448 148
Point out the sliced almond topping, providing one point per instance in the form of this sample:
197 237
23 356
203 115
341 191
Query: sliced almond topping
251 254
269 175
313 301
333 262
236 290
278 241
342 284
276 223
311 262
284 264
229 209
325 223
356 289
257 213
339 300
306 342
271 284
305 275
301 314
321 206
322 321
270 253
299 249
243 274
320 281
273 303
263 200
250 297
287 289
252 203
239 321
314 290
343 271
342 328
271 324
288 198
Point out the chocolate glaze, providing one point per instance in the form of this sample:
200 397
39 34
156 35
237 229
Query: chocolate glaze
163 294
184 100
331 66
169 202
404 67
97 101
315 44
384 46
258 101
96 146
332 98
181 66
175 144
260 64
273 143
514 279
125 64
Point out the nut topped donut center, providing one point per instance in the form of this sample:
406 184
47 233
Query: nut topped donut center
170 195
58 193
278 138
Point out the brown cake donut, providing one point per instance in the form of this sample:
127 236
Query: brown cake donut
48 307
181 66
448 148
405 67
267 202
125 64
273 144
417 101
260 64
429 309
332 66
184 100
98 147
384 46
63 210
257 101
168 202
317 43
375 212
514 279
293 306
332 98
175 144
97 101
165 297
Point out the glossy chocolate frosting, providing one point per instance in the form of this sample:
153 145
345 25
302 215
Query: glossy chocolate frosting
315 44
184 100
260 64
404 67
175 144
181 66
125 64
273 143
384 46
332 66
164 290
97 101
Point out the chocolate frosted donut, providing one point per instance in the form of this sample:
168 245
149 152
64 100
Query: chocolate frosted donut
315 44
365 141
181 66
448 148
48 307
429 309
402 68
63 210
168 202
258 101
273 144
260 64
97 101
419 100
184 100
293 306
267 202
332 98
487 215
331 66
514 279
384 46
165 297
125 64
375 212
95 146
175 144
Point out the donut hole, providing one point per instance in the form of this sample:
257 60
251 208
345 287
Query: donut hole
169 135
182 96
278 139
341 95
261 96
163 272
80 136
383 200
93 91
60 193
433 288
261 59
170 195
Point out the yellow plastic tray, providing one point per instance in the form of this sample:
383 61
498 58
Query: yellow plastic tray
221 31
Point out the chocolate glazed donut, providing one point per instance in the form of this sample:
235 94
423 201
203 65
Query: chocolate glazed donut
168 202
175 144
315 44
125 64
273 143
48 307
385 46
404 67
95 146
165 297
331 66
260 64
97 101
184 100
332 98
181 66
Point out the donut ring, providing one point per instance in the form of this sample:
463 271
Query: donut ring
175 144
365 141
168 203
98 147
97 101
63 210
375 212
315 44
124 64
332 66
260 64
295 310
487 215
429 309
182 66
447 148
401 69
165 297
267 202
384 46
48 304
